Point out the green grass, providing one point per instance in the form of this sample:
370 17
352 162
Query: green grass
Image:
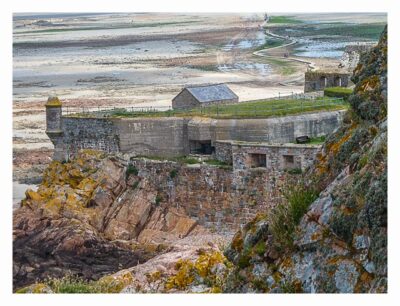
338 92
219 164
271 43
283 66
317 140
365 31
258 109
283 20
286 216
72 284
187 160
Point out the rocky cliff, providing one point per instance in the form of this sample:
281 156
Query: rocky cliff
93 216
97 215
331 235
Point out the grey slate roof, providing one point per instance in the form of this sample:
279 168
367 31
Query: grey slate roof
210 93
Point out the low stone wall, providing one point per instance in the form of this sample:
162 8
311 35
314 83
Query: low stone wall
219 199
276 157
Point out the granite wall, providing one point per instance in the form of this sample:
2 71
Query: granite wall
220 199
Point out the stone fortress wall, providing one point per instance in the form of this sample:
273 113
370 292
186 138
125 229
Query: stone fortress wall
178 136
218 199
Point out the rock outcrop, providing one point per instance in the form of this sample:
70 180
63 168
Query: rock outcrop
340 244
90 217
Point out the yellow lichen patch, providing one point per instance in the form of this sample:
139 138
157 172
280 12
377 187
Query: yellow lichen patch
287 263
53 205
32 195
87 186
237 242
115 283
183 278
153 276
205 262
201 269
53 101
333 148
35 288
369 84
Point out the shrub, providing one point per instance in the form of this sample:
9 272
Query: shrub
72 284
158 199
287 215
338 92
295 171
173 173
299 199
131 170
260 248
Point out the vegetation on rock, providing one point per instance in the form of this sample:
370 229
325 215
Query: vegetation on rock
330 235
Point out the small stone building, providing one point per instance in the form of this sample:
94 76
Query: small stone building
195 96
319 80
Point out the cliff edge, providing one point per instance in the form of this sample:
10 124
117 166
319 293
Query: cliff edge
331 234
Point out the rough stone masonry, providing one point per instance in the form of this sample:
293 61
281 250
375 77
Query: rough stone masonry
176 136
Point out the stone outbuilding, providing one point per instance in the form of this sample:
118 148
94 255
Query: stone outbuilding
319 80
195 96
